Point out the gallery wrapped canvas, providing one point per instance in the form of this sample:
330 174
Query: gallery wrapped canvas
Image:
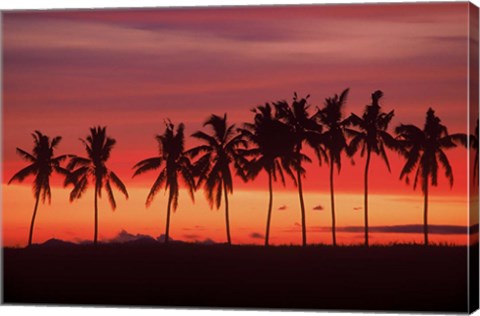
302 157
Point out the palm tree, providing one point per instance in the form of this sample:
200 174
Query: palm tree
303 128
93 168
424 151
371 137
213 166
333 139
42 165
272 151
176 164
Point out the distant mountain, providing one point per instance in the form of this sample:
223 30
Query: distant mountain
208 241
147 240
54 243
124 237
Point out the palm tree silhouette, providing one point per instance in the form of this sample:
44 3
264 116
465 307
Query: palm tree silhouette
176 164
303 129
424 151
42 165
93 168
371 137
213 167
333 139
272 151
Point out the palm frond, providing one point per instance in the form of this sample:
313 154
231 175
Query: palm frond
25 155
417 176
79 188
77 161
111 197
55 141
118 183
218 194
157 185
194 152
207 138
25 172
442 157
42 185
447 142
383 154
147 165
278 169
355 142
388 140
412 160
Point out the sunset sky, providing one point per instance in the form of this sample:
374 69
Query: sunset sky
129 70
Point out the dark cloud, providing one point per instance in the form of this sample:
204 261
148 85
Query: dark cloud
357 208
403 229
414 229
282 208
195 228
318 208
257 236
409 229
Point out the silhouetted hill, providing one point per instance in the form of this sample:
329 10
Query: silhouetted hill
54 243
145 272
142 241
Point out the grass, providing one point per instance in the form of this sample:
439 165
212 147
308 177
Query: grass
400 277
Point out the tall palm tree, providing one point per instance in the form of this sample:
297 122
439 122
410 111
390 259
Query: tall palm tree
272 151
176 164
371 136
42 165
219 151
93 168
334 141
424 151
303 128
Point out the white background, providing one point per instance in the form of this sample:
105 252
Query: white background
57 311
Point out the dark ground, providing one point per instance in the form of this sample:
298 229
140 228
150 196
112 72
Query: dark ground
400 278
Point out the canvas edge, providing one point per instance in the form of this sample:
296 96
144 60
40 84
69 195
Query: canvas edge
1 157
473 113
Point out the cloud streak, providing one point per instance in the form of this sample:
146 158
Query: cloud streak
402 229
257 236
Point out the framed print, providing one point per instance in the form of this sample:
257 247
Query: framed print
291 157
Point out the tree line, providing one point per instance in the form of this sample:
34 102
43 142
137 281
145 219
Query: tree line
273 142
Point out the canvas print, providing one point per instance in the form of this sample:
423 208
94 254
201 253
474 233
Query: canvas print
307 157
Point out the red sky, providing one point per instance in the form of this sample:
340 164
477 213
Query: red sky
129 70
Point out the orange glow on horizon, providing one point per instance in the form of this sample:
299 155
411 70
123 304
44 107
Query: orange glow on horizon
195 222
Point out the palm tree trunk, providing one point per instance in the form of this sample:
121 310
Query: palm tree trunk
167 226
302 209
227 220
95 234
332 201
30 236
367 164
270 203
425 213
